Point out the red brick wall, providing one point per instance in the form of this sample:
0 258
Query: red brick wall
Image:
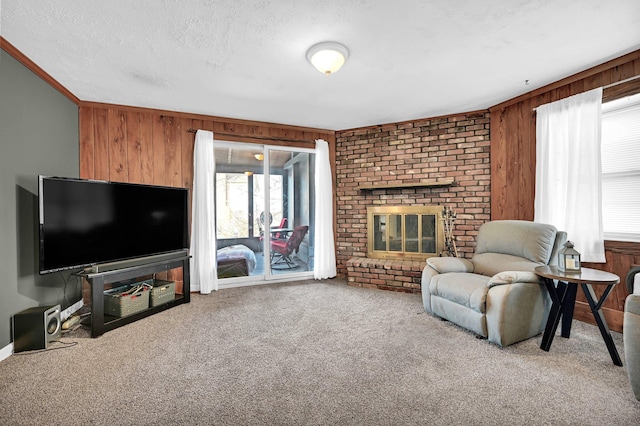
431 149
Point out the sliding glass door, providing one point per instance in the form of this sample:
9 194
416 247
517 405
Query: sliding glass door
264 212
291 238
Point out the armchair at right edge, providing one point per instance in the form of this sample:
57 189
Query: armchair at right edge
631 329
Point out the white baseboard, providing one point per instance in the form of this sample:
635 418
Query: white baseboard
6 352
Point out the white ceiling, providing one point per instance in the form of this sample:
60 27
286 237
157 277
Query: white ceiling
247 59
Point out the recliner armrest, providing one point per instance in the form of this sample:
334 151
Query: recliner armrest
632 304
510 277
450 264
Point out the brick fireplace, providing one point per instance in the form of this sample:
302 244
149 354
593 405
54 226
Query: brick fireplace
442 161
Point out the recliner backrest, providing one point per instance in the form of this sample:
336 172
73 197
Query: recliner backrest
504 245
531 240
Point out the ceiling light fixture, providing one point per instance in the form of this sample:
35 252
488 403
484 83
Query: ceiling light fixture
328 56
259 156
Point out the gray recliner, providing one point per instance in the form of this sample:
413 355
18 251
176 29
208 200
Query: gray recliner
631 329
496 293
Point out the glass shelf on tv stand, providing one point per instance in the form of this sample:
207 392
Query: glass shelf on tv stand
101 323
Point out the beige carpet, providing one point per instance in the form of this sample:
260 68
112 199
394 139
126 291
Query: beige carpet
313 353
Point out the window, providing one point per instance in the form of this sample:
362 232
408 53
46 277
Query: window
232 205
621 169
277 201
234 198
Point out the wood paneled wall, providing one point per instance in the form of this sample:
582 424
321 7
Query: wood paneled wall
513 151
127 144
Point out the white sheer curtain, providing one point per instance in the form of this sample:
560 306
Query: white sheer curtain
325 255
204 277
568 170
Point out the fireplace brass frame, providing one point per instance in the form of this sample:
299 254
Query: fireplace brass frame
403 211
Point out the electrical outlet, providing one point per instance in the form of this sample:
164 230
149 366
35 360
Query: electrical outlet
70 310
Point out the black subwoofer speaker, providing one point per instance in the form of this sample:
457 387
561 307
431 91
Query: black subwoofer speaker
35 328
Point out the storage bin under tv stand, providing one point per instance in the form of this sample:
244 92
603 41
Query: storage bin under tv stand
97 280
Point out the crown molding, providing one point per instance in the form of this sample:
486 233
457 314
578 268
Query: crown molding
22 58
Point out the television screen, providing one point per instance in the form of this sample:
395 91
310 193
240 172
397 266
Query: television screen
87 222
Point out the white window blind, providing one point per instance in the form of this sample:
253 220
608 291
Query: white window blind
621 169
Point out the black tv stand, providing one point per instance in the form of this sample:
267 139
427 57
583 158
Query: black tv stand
97 280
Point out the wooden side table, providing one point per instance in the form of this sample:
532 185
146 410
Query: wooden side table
563 297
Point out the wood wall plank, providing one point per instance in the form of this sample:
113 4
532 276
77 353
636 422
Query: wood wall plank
146 147
101 158
159 149
86 129
186 154
118 170
134 147
499 187
173 152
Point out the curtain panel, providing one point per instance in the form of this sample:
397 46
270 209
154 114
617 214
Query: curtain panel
204 277
568 191
325 256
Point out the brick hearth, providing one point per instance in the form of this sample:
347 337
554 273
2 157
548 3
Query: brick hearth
385 274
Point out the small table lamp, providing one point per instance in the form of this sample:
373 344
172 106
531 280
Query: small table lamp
569 258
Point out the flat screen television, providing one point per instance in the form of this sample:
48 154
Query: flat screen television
88 222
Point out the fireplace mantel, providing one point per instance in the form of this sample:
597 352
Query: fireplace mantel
372 187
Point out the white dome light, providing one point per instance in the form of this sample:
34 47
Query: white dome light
328 56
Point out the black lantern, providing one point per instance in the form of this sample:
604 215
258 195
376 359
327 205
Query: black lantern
569 258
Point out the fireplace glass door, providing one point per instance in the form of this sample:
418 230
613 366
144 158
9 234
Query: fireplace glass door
404 232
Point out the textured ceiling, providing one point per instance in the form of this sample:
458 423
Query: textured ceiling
247 59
